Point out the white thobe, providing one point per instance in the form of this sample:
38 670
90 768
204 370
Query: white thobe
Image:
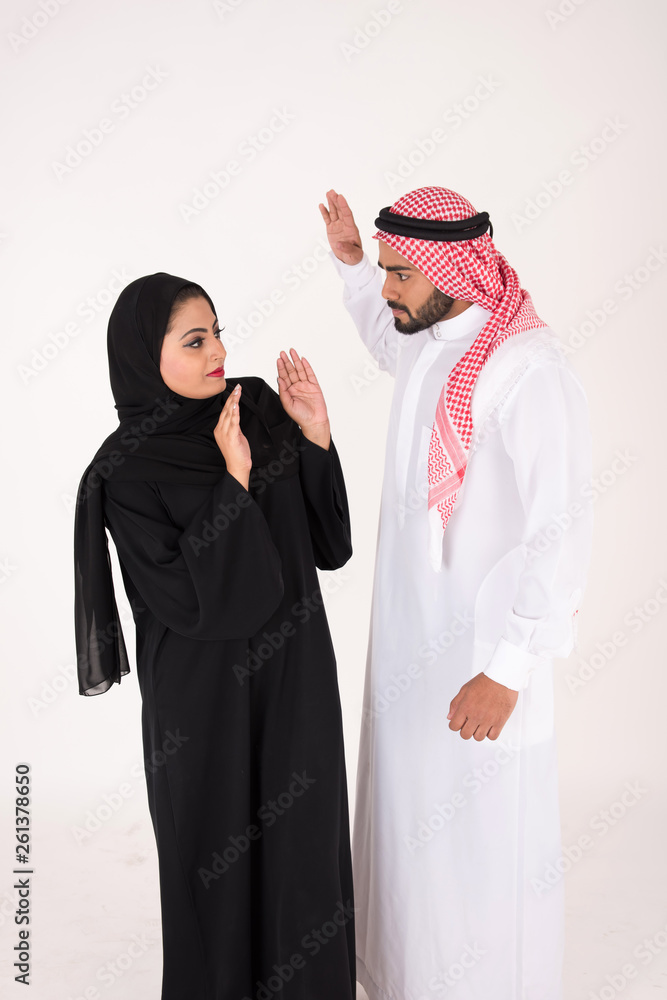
453 838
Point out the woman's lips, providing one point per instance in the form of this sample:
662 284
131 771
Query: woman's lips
218 373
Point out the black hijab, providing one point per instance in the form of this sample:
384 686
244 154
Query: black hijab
162 437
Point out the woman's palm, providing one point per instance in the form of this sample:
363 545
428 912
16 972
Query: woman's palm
299 390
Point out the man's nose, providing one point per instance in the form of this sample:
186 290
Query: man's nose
388 292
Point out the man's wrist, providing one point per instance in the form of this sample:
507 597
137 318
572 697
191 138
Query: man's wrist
357 257
511 666
361 272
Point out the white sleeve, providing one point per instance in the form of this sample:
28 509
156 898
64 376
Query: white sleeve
362 297
547 435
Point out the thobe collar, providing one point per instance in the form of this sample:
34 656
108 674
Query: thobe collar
471 320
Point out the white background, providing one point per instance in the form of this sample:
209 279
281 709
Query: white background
520 93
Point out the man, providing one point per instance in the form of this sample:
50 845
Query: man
483 547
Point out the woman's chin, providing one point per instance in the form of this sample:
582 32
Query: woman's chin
193 392
219 384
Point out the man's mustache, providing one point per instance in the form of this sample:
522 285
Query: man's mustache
395 305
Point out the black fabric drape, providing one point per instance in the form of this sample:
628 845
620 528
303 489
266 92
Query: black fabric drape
162 437
241 720
231 726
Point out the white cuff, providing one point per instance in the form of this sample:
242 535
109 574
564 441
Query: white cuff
355 275
512 666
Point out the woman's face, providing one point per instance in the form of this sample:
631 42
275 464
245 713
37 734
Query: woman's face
191 350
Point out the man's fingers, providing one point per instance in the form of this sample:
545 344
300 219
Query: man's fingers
458 718
344 209
454 704
325 215
333 207
481 729
479 711
467 728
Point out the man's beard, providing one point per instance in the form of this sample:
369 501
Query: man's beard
432 311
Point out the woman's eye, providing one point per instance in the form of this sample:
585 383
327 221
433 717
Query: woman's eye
197 341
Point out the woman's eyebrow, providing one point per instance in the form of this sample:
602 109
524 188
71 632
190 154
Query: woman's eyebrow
198 329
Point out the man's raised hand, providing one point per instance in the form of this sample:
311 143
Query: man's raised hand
342 232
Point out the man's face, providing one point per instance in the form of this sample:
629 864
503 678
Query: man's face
414 301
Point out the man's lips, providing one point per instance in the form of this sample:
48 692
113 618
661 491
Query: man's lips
217 373
397 312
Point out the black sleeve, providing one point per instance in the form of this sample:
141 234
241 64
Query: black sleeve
322 482
205 583
324 493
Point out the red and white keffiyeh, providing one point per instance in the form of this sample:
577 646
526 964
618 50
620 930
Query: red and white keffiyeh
475 271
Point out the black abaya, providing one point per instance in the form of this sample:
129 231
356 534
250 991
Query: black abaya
243 736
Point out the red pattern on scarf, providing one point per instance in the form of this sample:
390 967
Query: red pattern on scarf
475 271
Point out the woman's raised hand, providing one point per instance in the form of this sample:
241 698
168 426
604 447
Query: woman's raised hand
302 397
342 232
231 440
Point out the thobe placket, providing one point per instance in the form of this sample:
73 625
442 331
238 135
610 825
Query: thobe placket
456 333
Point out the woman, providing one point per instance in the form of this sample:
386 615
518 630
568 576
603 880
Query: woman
220 507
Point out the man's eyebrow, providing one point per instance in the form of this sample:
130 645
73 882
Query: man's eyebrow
396 267
199 329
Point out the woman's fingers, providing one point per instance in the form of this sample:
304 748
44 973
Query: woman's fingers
283 377
312 377
233 396
287 369
235 411
296 360
294 370
230 407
